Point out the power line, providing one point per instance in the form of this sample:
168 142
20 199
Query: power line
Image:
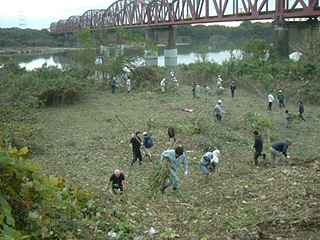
22 19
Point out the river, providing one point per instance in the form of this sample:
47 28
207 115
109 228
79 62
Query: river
31 62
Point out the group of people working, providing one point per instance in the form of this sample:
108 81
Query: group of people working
177 157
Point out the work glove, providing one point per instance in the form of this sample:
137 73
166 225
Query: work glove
132 135
288 156
218 170
186 173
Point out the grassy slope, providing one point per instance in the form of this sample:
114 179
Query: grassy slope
85 143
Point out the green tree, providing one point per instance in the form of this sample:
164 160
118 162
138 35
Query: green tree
110 54
85 57
310 46
202 53
259 49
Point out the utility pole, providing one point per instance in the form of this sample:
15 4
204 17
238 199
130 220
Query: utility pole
22 19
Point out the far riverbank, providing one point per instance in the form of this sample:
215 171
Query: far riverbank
34 50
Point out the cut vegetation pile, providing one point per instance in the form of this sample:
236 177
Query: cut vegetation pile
85 144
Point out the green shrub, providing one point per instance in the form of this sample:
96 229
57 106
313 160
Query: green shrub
252 121
201 72
49 86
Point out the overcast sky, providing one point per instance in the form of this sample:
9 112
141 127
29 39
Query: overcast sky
40 14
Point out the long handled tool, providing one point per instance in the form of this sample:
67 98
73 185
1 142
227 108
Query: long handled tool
143 147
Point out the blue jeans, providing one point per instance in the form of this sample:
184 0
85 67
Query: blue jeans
113 89
219 117
204 168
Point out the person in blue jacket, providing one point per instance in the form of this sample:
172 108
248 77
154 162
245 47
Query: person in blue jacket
277 150
281 99
147 143
301 111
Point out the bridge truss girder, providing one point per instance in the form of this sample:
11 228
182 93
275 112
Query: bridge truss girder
138 13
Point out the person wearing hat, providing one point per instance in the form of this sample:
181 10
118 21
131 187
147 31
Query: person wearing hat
176 86
218 110
209 158
147 142
163 85
276 151
135 141
176 158
219 82
258 146
197 90
281 99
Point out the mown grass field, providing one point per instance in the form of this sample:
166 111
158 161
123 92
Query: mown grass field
85 143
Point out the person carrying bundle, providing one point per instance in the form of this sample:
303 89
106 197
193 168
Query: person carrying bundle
175 158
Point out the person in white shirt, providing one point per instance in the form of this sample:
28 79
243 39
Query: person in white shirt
128 85
209 158
219 82
163 85
270 100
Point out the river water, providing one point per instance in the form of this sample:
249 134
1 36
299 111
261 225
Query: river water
31 62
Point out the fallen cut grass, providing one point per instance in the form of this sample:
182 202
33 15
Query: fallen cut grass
85 143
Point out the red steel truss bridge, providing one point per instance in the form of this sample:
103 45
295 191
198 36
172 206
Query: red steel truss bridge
138 13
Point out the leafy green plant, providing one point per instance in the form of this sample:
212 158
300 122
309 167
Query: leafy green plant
252 121
48 86
33 205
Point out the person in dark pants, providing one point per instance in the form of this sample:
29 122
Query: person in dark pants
193 90
233 88
136 148
281 99
209 158
301 111
113 84
118 182
258 146
276 149
270 100
218 110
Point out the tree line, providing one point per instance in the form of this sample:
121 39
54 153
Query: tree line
214 35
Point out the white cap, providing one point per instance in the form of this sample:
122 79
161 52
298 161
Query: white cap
216 153
218 75
219 101
280 91
176 80
144 133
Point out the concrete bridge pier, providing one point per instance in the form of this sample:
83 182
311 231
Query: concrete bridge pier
165 36
171 51
151 57
105 50
68 37
280 39
287 35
